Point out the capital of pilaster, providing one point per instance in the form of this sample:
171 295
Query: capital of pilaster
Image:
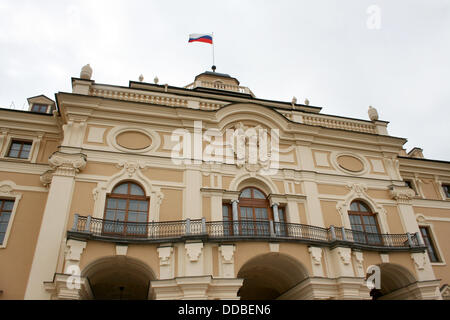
67 164
402 194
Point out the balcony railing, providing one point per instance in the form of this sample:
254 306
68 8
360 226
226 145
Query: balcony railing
219 86
122 231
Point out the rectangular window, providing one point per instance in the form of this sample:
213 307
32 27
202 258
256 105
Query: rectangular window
20 149
282 227
41 108
227 219
446 188
431 248
6 207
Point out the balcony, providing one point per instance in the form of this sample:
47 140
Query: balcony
85 228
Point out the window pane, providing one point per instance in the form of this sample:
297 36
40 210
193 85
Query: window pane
122 189
8 205
142 217
24 154
111 203
132 216
143 206
258 194
354 219
110 215
225 213
16 146
363 207
13 153
4 216
26 147
281 215
120 215
134 205
246 193
3 226
136 190
354 206
121 203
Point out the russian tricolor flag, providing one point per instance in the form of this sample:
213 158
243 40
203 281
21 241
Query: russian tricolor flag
201 37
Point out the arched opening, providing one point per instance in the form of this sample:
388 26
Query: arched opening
119 278
394 283
267 277
364 223
126 210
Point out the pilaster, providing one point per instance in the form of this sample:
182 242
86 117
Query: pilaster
54 222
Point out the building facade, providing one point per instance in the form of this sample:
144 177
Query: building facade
207 192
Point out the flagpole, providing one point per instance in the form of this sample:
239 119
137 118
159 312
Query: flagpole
213 67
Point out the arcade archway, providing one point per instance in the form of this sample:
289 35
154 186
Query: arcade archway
119 278
268 276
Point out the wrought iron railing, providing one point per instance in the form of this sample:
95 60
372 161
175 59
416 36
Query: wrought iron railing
89 227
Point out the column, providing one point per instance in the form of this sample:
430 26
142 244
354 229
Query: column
54 222
276 218
234 205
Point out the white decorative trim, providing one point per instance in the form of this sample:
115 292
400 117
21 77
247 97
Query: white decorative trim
166 262
131 170
164 254
67 164
226 261
193 251
239 178
336 155
419 260
384 257
152 134
74 249
424 221
274 247
358 263
358 191
402 194
344 255
7 140
121 250
7 192
316 255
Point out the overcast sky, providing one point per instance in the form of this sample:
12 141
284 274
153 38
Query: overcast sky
342 55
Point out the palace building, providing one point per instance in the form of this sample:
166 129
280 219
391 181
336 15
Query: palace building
208 192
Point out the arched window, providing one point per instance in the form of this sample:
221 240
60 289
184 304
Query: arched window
254 212
126 210
364 223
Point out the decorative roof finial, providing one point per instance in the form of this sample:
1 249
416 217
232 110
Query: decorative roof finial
306 102
373 113
156 80
86 72
141 78
213 68
294 101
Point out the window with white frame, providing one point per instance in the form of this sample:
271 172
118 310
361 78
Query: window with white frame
19 149
427 237
6 208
